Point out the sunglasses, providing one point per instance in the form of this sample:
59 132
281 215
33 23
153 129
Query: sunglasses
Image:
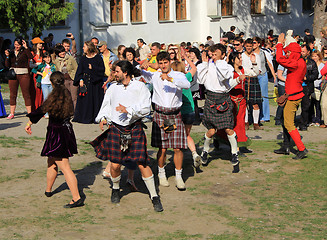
236 44
255 42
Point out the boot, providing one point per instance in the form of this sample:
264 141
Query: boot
257 127
301 154
247 126
283 150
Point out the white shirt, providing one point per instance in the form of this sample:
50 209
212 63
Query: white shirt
135 97
249 69
165 93
216 76
143 51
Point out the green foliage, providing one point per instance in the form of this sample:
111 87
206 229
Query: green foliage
22 15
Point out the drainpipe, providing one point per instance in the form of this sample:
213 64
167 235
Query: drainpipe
80 18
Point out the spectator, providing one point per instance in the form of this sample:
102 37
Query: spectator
121 49
143 49
209 41
230 34
308 38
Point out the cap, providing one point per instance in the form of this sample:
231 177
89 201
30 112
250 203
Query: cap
101 43
37 40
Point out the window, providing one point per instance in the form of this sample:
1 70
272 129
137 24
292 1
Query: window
255 6
180 9
282 6
307 5
226 7
163 10
136 10
116 11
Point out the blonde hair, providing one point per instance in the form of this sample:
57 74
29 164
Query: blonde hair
178 66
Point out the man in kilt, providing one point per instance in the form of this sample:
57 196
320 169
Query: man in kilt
124 105
217 76
252 86
168 130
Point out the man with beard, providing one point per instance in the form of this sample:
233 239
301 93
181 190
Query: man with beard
123 107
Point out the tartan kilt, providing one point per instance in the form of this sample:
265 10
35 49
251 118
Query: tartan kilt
254 96
214 119
107 146
175 139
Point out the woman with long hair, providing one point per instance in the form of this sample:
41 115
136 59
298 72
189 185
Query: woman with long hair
121 49
18 59
60 143
89 78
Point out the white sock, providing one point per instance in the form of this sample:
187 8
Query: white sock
206 144
233 143
115 182
246 115
178 173
256 114
161 172
149 183
194 154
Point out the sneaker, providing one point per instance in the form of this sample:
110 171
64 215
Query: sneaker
10 116
204 158
197 161
301 154
157 204
106 175
180 184
163 182
234 160
115 196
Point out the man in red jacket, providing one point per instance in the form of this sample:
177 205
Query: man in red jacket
296 70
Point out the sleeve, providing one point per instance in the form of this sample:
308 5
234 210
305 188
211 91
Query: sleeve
252 72
268 56
282 60
324 70
225 70
28 53
180 80
147 75
99 68
202 72
74 67
36 69
105 107
79 72
36 115
313 74
258 60
142 107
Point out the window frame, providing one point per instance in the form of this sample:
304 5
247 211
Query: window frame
224 12
134 15
162 4
116 16
282 6
181 14
254 6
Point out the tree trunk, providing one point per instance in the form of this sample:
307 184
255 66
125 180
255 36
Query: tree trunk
320 17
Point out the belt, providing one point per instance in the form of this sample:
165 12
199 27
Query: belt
168 113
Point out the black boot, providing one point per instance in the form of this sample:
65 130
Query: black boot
301 154
115 198
283 150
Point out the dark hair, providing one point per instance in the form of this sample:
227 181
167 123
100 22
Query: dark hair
163 56
239 39
46 54
175 56
241 34
270 33
307 47
156 44
218 46
196 52
232 28
257 39
209 37
59 103
201 45
65 41
59 49
307 30
129 49
248 41
232 56
19 40
95 38
127 67
141 40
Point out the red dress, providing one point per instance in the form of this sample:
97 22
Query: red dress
36 93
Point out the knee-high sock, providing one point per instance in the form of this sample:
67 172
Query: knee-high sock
233 143
246 115
115 182
256 114
161 172
178 173
295 135
149 183
206 144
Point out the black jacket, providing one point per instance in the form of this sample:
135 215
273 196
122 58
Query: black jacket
312 74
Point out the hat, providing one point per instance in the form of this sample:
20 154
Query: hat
37 40
101 43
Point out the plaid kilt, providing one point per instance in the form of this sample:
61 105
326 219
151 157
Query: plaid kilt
107 146
214 119
175 139
254 96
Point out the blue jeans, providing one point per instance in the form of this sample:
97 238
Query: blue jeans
46 90
265 112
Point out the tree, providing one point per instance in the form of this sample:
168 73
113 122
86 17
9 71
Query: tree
320 17
37 15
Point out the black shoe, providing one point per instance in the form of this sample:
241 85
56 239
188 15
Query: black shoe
115 196
303 128
157 204
245 150
48 194
283 150
240 154
204 158
301 154
236 168
78 203
278 123
234 160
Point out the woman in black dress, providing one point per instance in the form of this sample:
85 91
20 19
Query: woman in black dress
89 78
60 143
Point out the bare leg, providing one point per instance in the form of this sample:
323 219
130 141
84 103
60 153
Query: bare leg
190 142
12 109
161 156
178 159
70 177
52 172
29 109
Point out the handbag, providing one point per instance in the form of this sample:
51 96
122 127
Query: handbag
281 100
83 91
169 125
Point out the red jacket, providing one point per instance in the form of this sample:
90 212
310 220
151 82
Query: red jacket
296 69
323 71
